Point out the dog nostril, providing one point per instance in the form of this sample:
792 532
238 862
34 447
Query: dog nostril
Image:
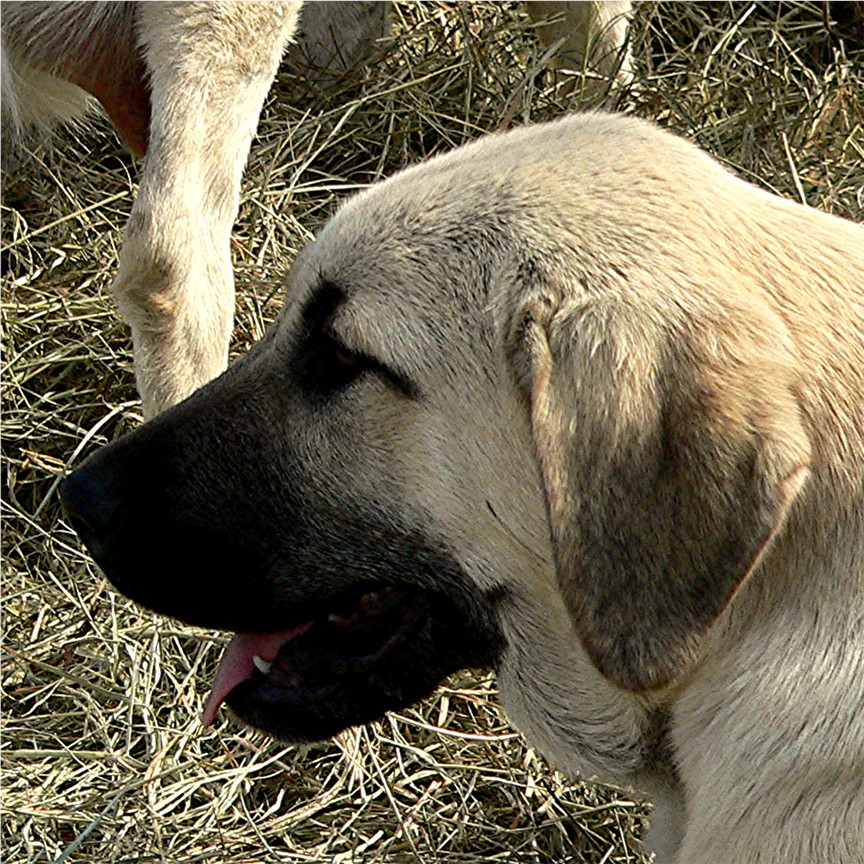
90 503
82 523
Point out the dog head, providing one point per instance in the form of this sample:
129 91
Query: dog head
520 405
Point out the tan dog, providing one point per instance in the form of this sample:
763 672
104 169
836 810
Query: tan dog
572 401
184 83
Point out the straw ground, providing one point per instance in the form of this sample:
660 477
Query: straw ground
104 759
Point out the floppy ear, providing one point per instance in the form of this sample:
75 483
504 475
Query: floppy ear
671 454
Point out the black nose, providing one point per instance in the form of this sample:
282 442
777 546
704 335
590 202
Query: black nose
93 505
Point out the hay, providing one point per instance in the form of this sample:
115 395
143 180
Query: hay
103 757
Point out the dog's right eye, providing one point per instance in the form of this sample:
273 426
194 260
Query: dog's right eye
328 366
332 365
345 359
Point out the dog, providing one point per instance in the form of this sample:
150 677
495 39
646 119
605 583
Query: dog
184 83
571 401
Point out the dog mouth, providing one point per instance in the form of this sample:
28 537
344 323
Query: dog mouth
348 663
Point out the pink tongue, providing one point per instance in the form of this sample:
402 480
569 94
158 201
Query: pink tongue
237 664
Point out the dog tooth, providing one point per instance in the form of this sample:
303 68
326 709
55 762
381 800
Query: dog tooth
261 664
376 601
373 598
338 620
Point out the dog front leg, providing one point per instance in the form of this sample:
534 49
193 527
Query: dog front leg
592 40
666 828
210 67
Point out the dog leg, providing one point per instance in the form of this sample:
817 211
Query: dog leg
592 37
666 827
335 37
210 70
191 103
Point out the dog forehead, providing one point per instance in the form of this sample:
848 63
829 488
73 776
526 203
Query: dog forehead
426 237
411 254
560 188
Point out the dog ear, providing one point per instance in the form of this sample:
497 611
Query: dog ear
671 454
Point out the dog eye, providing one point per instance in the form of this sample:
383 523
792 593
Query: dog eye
335 365
327 366
346 359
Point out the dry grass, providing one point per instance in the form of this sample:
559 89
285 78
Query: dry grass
103 757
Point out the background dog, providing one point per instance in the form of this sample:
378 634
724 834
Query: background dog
183 83
574 402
